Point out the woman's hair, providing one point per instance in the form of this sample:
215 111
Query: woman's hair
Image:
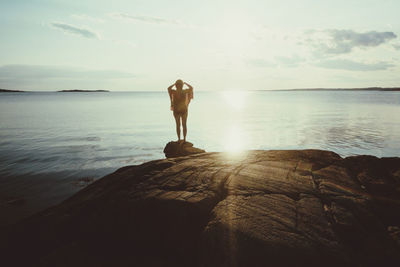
179 82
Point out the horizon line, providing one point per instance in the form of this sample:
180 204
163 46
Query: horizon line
373 88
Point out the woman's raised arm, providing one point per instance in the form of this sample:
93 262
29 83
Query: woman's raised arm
170 87
190 91
171 97
170 92
190 87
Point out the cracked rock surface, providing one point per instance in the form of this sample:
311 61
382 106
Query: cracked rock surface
277 208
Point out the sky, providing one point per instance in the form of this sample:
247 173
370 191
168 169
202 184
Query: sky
213 45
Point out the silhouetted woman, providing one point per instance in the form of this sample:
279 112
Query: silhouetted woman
180 99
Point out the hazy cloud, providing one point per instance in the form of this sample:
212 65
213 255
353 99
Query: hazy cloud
145 19
372 38
291 61
345 64
39 77
54 72
75 30
343 41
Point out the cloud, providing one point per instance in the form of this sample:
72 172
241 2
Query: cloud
145 19
344 41
56 72
345 64
41 77
292 61
75 30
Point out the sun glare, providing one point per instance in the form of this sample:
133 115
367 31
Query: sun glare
234 36
233 141
234 144
235 99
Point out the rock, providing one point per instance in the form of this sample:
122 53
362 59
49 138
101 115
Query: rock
16 201
394 232
276 208
83 181
179 149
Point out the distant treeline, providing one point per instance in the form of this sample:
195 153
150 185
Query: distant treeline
74 91
10 91
63 91
300 89
345 89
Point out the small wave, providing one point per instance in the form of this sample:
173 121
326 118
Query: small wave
79 139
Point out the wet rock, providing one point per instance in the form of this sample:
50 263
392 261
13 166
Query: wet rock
394 232
83 181
276 208
16 201
179 149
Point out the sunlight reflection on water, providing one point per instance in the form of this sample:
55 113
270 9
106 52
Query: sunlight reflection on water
82 131
234 99
233 138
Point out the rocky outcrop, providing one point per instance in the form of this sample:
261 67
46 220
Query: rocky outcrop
180 149
260 208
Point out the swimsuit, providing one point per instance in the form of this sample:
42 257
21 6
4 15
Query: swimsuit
180 101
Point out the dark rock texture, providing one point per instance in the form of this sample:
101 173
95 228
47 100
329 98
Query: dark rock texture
262 208
179 149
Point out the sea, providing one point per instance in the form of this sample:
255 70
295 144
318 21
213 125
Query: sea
54 131
52 138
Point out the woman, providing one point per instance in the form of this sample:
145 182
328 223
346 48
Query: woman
180 100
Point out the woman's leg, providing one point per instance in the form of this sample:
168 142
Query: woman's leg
178 125
184 119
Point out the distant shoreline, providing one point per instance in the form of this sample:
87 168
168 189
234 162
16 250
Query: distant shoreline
384 89
82 91
341 89
10 91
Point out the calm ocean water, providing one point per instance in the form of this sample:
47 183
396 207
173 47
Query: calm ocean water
96 133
